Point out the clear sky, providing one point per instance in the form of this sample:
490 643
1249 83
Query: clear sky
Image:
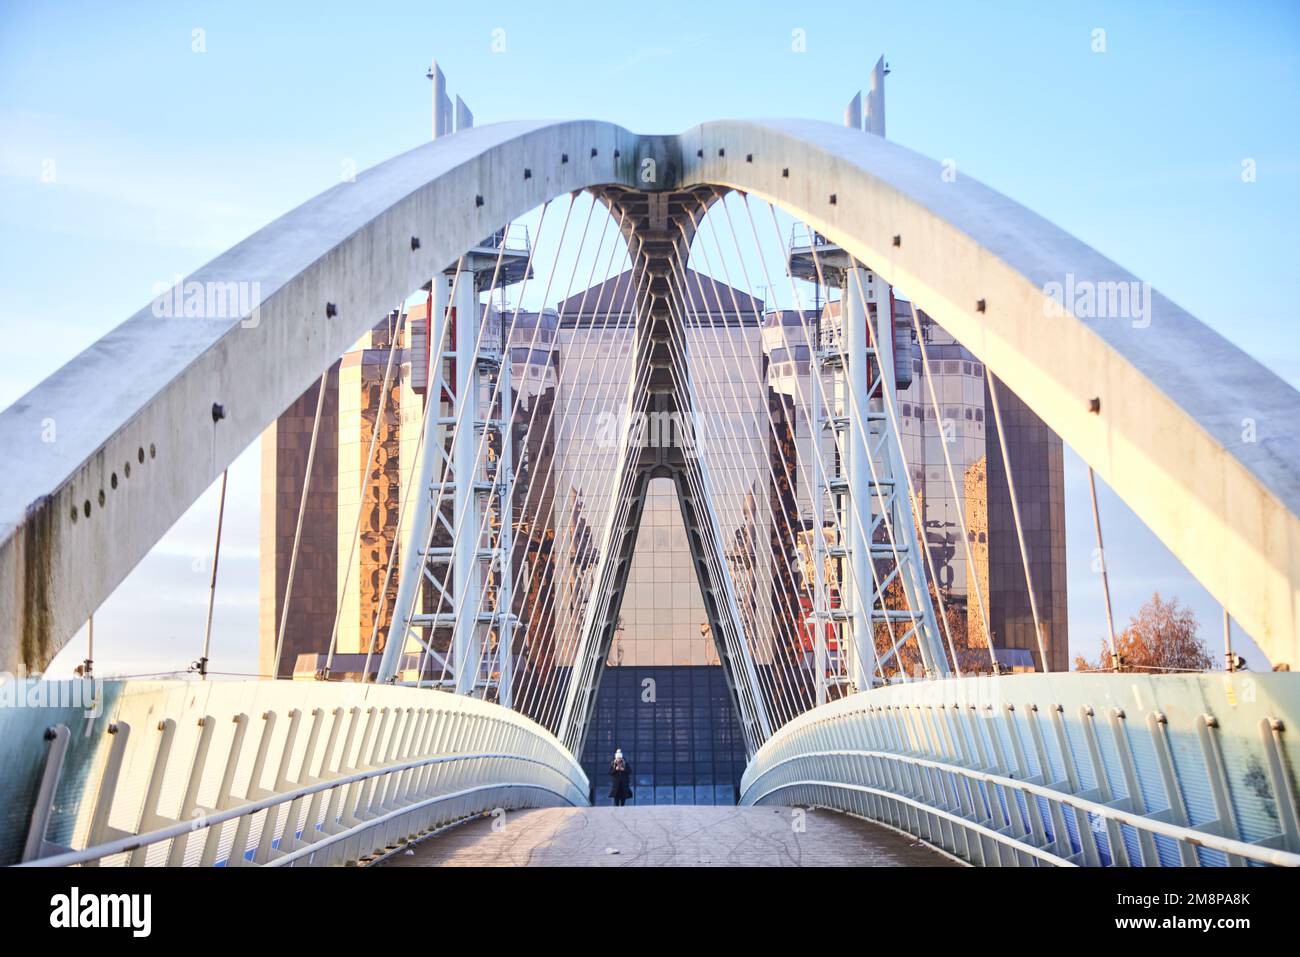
127 157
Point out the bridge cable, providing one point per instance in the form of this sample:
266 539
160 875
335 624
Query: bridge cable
854 506
585 658
779 694
1101 559
615 487
687 299
302 510
886 396
896 643
463 403
742 645
547 698
915 506
509 419
447 468
684 384
394 339
872 451
522 519
494 489
507 435
544 691
814 444
971 569
685 296
1015 514
212 589
436 350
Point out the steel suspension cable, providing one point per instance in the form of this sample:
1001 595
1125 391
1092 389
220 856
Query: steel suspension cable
886 392
685 297
1015 514
771 421
361 503
434 384
872 451
544 691
533 485
958 498
462 404
297 533
548 698
508 417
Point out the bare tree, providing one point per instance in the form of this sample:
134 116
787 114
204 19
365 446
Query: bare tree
1162 636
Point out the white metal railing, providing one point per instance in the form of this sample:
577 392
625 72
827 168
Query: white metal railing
989 785
364 780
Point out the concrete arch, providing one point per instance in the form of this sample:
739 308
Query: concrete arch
1199 439
154 380
1169 441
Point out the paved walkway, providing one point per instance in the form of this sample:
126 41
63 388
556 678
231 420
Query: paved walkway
673 836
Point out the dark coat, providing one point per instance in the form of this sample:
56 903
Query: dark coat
620 780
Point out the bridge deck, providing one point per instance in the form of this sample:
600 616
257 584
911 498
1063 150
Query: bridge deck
674 836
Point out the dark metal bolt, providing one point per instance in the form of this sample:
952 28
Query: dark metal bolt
218 412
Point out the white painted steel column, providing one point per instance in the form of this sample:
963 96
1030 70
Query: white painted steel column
859 578
465 473
817 550
505 540
412 558
911 574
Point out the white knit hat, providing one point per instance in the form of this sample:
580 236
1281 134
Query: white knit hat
618 753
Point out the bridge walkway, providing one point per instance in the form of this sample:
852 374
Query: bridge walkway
673 836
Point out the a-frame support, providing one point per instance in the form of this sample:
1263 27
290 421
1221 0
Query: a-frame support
658 442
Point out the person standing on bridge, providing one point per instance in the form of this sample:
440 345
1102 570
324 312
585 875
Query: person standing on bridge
620 777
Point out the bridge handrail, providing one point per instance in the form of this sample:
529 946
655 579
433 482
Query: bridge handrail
185 828
340 756
1186 769
1188 834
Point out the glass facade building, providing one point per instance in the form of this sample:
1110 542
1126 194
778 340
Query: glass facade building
677 730
569 370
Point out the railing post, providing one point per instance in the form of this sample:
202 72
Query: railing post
42 810
189 810
100 830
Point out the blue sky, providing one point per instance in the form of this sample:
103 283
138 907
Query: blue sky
127 157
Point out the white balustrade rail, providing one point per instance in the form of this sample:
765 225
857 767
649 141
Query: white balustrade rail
1021 770
333 773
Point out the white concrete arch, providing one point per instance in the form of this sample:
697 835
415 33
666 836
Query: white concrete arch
1197 437
143 395
1173 394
